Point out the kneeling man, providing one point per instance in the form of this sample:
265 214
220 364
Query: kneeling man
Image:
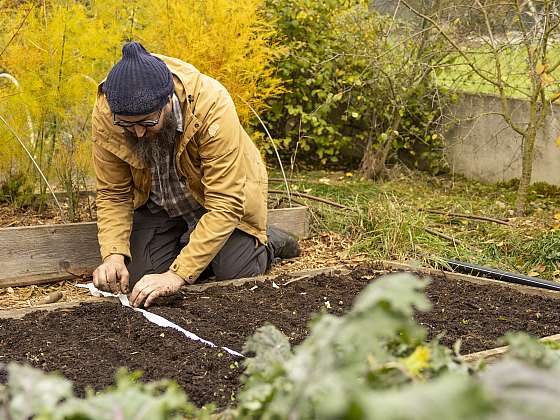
181 188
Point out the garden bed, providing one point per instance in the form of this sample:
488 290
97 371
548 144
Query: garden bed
88 343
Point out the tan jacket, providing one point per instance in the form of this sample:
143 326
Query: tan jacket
223 167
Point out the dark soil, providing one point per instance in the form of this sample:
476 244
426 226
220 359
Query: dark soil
89 343
479 315
228 315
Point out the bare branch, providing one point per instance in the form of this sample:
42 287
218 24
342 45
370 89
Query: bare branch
499 76
455 46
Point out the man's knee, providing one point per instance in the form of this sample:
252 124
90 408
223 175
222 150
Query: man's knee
241 256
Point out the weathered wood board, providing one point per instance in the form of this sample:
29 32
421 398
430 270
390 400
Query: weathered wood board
41 254
295 220
494 355
21 312
32 253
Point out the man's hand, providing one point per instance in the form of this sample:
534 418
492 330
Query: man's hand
152 286
112 275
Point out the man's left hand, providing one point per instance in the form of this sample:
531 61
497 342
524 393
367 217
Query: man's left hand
152 286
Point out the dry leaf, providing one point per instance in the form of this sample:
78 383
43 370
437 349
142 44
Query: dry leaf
28 292
547 79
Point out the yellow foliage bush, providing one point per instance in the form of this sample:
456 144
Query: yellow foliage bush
59 50
224 39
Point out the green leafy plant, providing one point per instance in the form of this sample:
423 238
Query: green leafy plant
31 393
376 346
16 190
350 82
54 53
374 363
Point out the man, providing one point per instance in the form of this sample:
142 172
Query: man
181 188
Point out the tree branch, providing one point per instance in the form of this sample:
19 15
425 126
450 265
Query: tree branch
312 197
467 216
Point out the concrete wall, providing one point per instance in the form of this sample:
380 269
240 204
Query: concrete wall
483 147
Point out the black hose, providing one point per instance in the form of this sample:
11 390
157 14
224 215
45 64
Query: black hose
505 276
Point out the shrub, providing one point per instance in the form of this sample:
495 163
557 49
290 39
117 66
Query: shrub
15 190
349 73
58 51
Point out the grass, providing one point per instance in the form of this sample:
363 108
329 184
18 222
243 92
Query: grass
458 76
387 220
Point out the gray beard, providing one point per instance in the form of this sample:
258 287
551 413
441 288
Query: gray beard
151 150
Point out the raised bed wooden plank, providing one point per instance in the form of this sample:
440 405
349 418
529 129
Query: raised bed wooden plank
29 252
294 220
21 312
42 254
493 355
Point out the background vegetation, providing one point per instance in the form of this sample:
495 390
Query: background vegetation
54 53
394 220
339 83
356 81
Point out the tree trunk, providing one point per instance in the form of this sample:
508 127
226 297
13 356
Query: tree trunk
526 170
374 159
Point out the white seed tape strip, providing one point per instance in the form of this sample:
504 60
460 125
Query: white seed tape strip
156 319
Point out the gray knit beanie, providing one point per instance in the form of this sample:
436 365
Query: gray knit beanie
138 84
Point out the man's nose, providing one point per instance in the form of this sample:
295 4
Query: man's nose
139 130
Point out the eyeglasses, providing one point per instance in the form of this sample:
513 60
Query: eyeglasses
143 123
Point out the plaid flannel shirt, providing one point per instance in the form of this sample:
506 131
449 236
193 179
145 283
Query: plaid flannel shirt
168 190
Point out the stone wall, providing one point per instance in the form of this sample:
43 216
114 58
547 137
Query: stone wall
482 146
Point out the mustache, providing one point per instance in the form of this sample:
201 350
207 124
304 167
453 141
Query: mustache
151 150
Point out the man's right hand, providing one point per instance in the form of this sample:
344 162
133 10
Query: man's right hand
112 275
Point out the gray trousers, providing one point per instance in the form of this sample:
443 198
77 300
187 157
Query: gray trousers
156 240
